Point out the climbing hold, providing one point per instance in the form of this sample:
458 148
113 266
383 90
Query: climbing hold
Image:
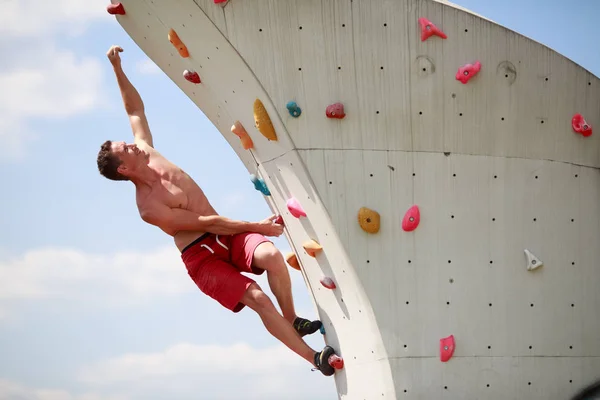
411 219
580 126
322 329
263 121
238 129
335 111
115 9
292 260
328 282
368 220
336 361
466 72
191 76
176 41
220 1
532 261
260 185
295 208
446 348
312 248
428 29
279 220
293 108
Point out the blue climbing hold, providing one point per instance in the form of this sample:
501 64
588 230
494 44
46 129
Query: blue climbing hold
322 329
293 108
260 185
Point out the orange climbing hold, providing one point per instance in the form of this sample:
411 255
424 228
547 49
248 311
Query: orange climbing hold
176 41
411 219
428 29
312 248
335 111
580 125
368 220
328 282
466 72
238 129
115 9
263 121
192 76
293 261
446 348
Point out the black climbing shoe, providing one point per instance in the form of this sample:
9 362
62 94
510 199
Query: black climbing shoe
305 327
322 361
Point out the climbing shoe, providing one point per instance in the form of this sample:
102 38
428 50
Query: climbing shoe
305 327
322 361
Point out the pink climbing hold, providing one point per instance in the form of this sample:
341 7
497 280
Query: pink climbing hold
295 208
446 348
581 126
191 76
335 111
116 9
328 282
411 219
466 72
428 29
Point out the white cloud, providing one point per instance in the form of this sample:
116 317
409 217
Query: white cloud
41 17
147 67
40 80
121 278
184 370
11 390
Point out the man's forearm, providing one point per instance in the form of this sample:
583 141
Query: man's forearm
184 220
131 98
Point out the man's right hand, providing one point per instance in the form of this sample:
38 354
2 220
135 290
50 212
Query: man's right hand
113 55
269 227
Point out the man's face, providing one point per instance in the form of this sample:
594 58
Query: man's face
131 156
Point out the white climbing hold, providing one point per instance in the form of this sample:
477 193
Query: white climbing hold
532 261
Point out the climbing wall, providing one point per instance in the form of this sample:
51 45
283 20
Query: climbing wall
437 175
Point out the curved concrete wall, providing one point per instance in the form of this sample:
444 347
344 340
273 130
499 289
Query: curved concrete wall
494 167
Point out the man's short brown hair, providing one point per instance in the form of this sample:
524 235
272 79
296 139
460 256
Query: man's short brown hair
109 162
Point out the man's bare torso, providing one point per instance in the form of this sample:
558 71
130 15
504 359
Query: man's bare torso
175 189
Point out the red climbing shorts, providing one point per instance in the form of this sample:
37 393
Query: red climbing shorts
215 262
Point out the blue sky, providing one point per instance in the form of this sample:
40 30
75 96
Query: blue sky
94 303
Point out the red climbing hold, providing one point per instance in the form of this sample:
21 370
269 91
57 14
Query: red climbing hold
328 282
580 126
279 220
115 9
446 348
428 29
220 1
191 76
336 361
335 111
411 219
466 72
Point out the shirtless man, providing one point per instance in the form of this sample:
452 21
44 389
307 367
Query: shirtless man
213 248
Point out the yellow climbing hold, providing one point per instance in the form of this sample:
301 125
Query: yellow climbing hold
176 41
263 121
293 261
238 129
369 220
312 248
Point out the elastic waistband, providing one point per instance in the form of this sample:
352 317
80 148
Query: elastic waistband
201 238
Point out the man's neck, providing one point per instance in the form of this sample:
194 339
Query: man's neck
145 176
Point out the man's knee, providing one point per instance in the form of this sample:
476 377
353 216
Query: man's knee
266 256
256 299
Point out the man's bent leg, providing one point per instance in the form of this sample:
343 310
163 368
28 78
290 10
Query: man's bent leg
267 257
281 329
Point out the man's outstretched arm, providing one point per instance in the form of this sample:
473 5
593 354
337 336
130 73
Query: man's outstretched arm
173 220
134 106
